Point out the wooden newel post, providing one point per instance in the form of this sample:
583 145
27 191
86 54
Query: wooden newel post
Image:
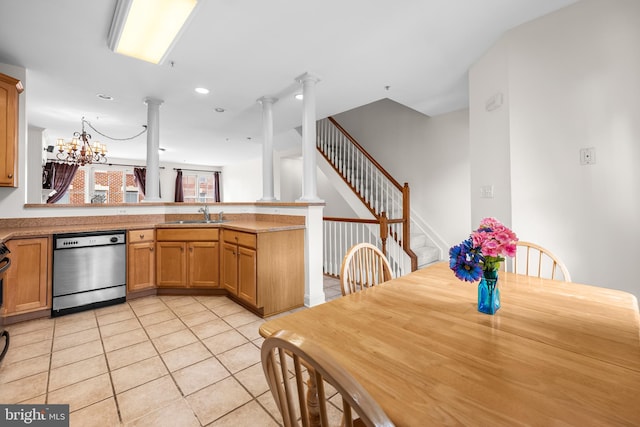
406 211
384 231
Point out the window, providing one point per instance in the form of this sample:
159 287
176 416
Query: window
76 191
198 187
100 184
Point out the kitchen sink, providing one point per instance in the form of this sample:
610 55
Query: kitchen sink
197 221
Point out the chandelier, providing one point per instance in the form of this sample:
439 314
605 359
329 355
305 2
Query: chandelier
79 150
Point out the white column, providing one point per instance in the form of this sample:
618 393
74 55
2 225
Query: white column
267 148
309 179
313 254
152 184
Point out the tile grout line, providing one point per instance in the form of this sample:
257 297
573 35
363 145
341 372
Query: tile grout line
106 359
214 356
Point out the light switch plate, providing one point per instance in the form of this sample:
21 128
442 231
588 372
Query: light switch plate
486 191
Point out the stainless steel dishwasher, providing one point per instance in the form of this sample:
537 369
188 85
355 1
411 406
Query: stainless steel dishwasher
89 271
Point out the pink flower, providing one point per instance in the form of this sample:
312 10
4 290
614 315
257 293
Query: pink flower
494 239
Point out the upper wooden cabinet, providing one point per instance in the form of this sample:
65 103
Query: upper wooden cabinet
9 90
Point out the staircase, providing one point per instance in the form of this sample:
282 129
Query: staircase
424 249
405 242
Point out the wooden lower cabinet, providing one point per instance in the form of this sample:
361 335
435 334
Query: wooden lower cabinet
264 271
247 275
27 284
141 260
171 264
187 258
239 270
202 260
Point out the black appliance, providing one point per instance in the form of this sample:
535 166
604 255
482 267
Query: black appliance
5 263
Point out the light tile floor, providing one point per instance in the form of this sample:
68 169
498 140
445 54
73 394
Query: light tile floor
153 361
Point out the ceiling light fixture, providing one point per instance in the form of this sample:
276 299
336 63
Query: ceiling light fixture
219 110
105 97
202 90
147 29
298 96
79 151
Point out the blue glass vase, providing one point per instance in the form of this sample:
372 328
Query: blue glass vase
488 292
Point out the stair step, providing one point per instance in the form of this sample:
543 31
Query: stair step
426 255
418 239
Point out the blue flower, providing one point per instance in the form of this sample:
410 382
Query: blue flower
454 253
468 270
464 260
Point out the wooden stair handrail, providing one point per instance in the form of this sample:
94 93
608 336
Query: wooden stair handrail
381 218
366 154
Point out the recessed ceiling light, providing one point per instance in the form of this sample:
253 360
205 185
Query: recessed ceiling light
202 90
162 149
219 110
298 96
105 97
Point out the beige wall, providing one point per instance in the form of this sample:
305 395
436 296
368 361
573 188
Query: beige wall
572 82
431 154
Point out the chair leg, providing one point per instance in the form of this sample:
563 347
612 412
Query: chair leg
312 400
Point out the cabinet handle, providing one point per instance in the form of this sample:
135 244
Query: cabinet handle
10 176
190 249
151 249
181 249
142 236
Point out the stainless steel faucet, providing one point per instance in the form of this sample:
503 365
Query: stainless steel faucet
220 216
205 211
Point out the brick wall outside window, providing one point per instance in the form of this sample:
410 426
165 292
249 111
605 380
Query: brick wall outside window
76 189
109 183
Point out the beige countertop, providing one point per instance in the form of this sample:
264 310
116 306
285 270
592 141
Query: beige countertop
249 225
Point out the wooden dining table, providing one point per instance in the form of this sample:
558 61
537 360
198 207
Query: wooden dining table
556 353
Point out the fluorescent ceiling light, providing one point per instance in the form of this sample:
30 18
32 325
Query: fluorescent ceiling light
147 29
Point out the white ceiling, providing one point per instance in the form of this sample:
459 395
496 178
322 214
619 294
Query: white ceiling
242 50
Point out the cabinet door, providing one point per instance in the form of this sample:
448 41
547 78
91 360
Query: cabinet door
141 266
229 276
247 289
9 90
171 264
26 284
203 264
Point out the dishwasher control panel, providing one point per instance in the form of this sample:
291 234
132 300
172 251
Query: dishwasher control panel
83 240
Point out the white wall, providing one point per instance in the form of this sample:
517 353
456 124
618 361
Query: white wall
30 160
291 189
489 137
431 154
572 80
243 181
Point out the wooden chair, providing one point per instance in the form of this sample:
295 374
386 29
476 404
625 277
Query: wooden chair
538 261
285 354
363 266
